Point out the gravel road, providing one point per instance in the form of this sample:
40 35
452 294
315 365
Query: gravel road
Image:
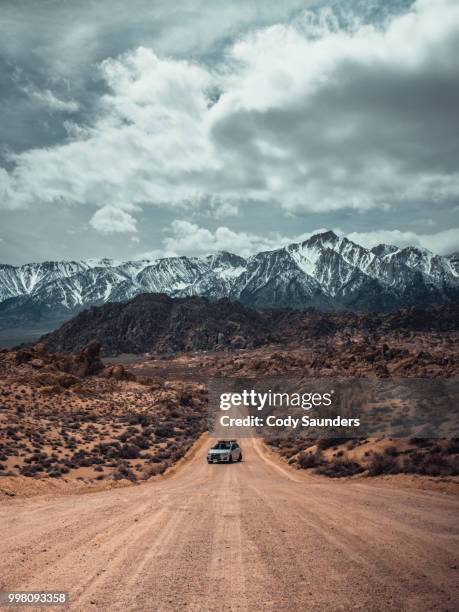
250 536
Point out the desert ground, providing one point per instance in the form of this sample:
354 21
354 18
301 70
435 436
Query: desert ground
105 491
74 421
257 535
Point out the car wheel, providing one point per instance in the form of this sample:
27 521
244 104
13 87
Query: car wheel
230 460
240 457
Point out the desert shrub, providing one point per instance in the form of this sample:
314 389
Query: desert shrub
123 471
142 442
129 451
160 455
309 460
109 450
55 473
86 462
324 443
339 468
12 433
39 456
144 420
383 464
155 470
28 470
164 431
292 450
432 464
177 454
139 419
156 459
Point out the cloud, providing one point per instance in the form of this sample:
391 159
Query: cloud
302 118
48 99
189 238
148 145
186 238
350 119
443 243
111 220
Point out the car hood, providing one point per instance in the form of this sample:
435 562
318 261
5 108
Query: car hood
219 451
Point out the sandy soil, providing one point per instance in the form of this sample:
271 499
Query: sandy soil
251 536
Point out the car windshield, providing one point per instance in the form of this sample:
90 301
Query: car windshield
222 445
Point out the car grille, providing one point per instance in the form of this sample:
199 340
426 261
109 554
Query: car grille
217 458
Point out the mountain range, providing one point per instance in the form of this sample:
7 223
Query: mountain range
326 271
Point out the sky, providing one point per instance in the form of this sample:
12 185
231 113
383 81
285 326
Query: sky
153 128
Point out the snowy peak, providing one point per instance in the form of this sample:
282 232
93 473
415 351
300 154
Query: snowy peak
224 259
326 271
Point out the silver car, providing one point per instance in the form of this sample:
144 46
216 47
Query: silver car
225 451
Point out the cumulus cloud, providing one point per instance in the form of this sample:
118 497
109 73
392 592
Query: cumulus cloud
354 119
186 238
111 220
149 144
443 243
189 238
304 119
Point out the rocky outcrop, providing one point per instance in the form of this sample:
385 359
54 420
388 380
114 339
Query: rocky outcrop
85 362
155 322
160 324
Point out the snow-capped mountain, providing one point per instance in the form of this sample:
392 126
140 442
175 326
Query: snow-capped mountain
325 271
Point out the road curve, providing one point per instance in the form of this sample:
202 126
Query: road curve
250 536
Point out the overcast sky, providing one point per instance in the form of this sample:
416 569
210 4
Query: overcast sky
149 127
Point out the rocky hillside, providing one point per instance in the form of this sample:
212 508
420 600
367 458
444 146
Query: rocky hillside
326 271
159 323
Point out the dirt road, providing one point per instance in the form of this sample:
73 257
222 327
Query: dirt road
248 536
